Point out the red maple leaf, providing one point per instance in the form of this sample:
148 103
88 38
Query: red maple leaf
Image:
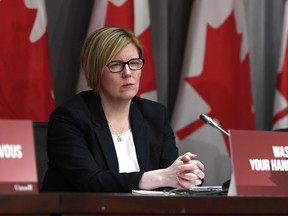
126 12
25 73
225 81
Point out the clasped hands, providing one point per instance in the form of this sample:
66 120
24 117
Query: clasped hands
186 172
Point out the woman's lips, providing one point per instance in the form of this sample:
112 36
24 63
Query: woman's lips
127 85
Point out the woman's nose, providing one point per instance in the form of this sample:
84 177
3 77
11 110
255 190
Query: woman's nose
126 71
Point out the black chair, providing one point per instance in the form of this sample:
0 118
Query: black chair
40 133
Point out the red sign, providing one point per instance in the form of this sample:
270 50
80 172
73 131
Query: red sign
17 157
260 162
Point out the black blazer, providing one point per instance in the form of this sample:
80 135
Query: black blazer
81 152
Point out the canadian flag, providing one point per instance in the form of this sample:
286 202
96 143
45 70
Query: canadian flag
280 118
134 15
25 74
215 80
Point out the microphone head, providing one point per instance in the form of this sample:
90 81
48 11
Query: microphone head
203 118
207 120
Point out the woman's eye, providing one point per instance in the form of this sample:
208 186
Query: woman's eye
115 65
134 63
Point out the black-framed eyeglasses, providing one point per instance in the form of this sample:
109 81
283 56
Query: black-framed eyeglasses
133 64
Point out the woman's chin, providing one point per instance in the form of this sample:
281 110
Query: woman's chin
128 96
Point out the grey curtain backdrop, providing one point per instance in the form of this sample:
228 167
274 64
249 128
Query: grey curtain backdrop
264 19
68 22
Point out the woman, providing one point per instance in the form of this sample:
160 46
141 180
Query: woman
108 139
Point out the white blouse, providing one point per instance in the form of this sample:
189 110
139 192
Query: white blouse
126 153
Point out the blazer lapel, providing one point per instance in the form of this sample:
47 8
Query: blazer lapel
140 136
102 132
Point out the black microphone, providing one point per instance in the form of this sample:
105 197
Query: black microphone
210 121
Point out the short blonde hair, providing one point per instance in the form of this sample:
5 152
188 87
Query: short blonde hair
100 48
